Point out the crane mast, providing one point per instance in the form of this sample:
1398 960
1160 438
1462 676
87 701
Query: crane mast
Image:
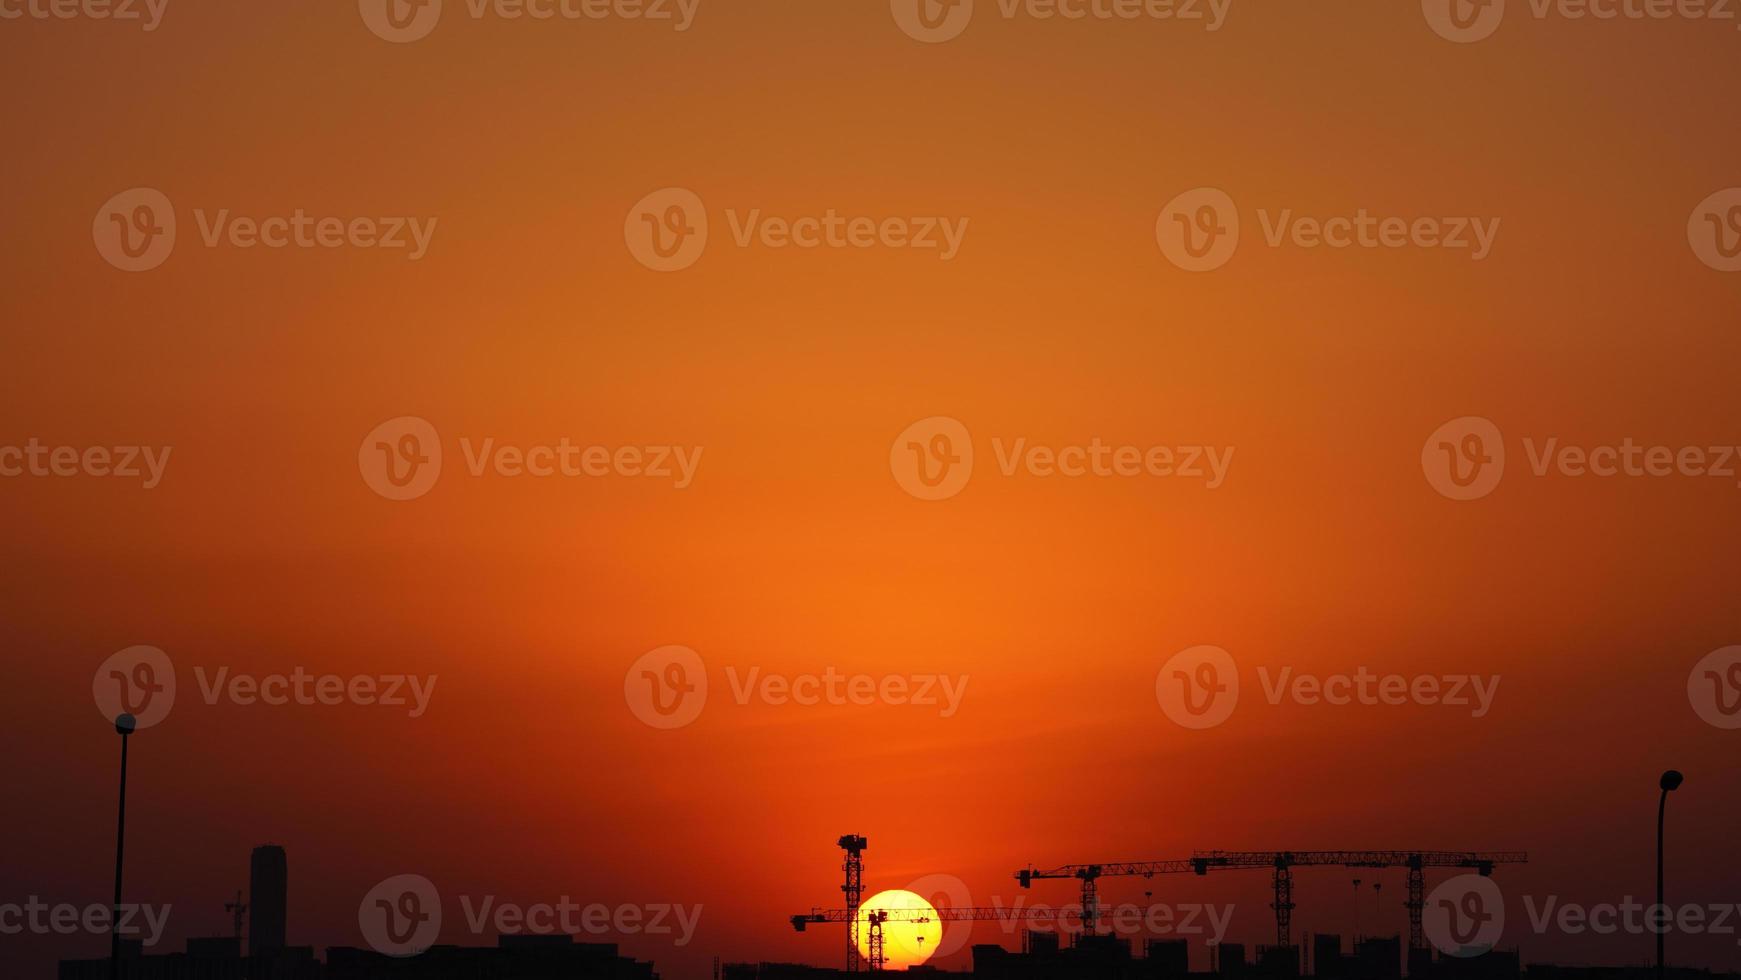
854 845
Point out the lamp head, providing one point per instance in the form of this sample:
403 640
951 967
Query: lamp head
1671 781
125 724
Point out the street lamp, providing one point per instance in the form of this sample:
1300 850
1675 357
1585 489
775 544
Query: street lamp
124 726
1671 781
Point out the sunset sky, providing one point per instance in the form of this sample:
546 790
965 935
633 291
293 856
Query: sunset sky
796 550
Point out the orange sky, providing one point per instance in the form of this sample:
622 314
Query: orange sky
1060 321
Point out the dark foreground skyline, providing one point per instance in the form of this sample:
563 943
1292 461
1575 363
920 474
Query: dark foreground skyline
1041 957
1461 937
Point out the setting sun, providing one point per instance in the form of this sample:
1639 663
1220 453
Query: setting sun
905 943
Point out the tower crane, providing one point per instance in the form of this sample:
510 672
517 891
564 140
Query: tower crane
238 912
854 845
875 918
1281 865
1090 874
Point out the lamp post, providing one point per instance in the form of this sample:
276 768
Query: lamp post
124 726
1671 781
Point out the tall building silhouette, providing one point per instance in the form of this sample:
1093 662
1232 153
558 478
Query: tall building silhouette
267 890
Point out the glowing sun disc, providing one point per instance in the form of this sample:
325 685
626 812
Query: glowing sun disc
904 943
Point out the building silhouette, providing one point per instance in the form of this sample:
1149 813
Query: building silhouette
269 955
559 957
513 958
268 895
1112 958
556 957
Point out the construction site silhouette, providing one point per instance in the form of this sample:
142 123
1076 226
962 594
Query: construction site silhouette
1069 942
